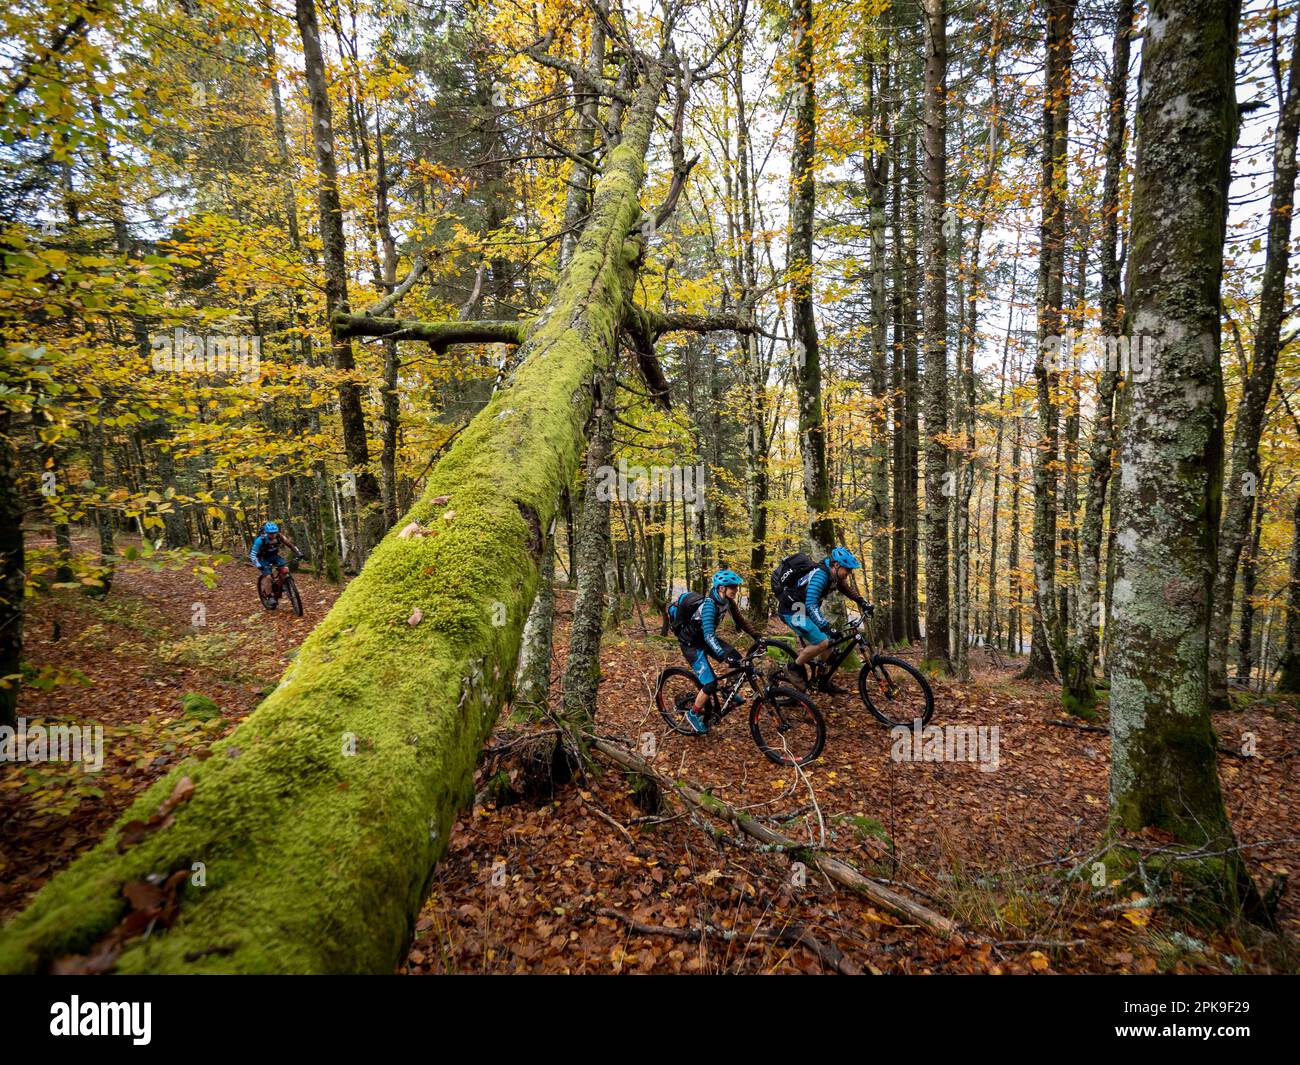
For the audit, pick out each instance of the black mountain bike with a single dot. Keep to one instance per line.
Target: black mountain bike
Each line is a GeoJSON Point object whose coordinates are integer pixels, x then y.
{"type": "Point", "coordinates": [895, 691]}
{"type": "Point", "coordinates": [784, 723]}
{"type": "Point", "coordinates": [271, 588]}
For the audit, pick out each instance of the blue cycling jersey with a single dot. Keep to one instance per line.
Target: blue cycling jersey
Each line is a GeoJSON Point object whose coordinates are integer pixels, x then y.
{"type": "Point", "coordinates": [264, 553]}
{"type": "Point", "coordinates": [812, 600]}
{"type": "Point", "coordinates": [709, 624]}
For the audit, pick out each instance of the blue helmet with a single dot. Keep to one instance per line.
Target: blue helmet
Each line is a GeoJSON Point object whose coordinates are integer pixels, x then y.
{"type": "Point", "coordinates": [844, 557]}
{"type": "Point", "coordinates": [726, 578]}
{"type": "Point", "coordinates": [270, 527]}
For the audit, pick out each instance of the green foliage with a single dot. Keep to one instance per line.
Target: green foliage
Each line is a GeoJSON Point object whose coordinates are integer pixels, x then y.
{"type": "Point", "coordinates": [48, 677]}
{"type": "Point", "coordinates": [199, 707]}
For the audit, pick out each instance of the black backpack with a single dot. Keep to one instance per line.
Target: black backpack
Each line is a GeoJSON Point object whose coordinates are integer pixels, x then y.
{"type": "Point", "coordinates": [682, 615]}
{"type": "Point", "coordinates": [789, 574]}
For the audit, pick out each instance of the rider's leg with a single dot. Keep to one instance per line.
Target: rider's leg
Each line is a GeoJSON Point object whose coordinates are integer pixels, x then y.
{"type": "Point", "coordinates": [699, 661]}
{"type": "Point", "coordinates": [704, 673]}
{"type": "Point", "coordinates": [816, 642]}
{"type": "Point", "coordinates": [812, 651]}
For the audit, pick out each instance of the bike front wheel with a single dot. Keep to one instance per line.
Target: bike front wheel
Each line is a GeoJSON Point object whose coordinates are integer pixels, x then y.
{"type": "Point", "coordinates": [266, 592]}
{"type": "Point", "coordinates": [295, 600]}
{"type": "Point", "coordinates": [675, 695]}
{"type": "Point", "coordinates": [896, 692]}
{"type": "Point", "coordinates": [787, 727]}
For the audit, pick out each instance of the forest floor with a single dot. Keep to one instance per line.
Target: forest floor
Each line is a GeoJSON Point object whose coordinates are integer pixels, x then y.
{"type": "Point", "coordinates": [597, 878]}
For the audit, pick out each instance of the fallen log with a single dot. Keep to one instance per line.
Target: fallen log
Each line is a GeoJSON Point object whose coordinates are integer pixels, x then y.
{"type": "Point", "coordinates": [311, 836]}
{"type": "Point", "coordinates": [841, 872]}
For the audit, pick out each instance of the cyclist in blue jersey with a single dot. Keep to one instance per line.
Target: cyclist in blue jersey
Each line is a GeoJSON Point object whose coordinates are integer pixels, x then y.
{"type": "Point", "coordinates": [695, 621]}
{"type": "Point", "coordinates": [800, 607]}
{"type": "Point", "coordinates": [266, 549]}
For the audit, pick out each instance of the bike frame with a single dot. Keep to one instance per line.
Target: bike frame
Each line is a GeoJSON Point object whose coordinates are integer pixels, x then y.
{"type": "Point", "coordinates": [744, 672]}
{"type": "Point", "coordinates": [858, 637]}
{"type": "Point", "coordinates": [278, 574]}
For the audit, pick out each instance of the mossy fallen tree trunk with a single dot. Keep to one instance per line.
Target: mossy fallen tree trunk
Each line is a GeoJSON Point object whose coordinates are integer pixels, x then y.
{"type": "Point", "coordinates": [318, 822]}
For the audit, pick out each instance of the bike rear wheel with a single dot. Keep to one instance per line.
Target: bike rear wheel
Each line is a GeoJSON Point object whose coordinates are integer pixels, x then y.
{"type": "Point", "coordinates": [291, 590]}
{"type": "Point", "coordinates": [896, 692]}
{"type": "Point", "coordinates": [675, 695]}
{"type": "Point", "coordinates": [787, 727]}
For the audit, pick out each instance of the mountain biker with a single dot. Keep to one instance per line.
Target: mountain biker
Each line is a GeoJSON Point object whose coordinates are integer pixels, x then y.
{"type": "Point", "coordinates": [696, 619]}
{"type": "Point", "coordinates": [266, 549]}
{"type": "Point", "coordinates": [799, 605]}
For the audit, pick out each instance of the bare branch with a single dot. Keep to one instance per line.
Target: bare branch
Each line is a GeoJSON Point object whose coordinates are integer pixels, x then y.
{"type": "Point", "coordinates": [579, 74]}
{"type": "Point", "coordinates": [418, 266]}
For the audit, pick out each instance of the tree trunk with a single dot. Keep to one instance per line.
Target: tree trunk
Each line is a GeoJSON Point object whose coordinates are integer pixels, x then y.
{"type": "Point", "coordinates": [1015, 638]}
{"type": "Point", "coordinates": [1289, 681]}
{"type": "Point", "coordinates": [1078, 692]}
{"type": "Point", "coordinates": [939, 486]}
{"type": "Point", "coordinates": [1241, 485]}
{"type": "Point", "coordinates": [391, 422]}
{"type": "Point", "coordinates": [368, 495]}
{"type": "Point", "coordinates": [318, 858]}
{"type": "Point", "coordinates": [582, 668]}
{"type": "Point", "coordinates": [993, 626]}
{"type": "Point", "coordinates": [812, 425]}
{"type": "Point", "coordinates": [897, 626]}
{"type": "Point", "coordinates": [911, 333]}
{"type": "Point", "coordinates": [1249, 569]}
{"type": "Point", "coordinates": [875, 169]}
{"type": "Point", "coordinates": [533, 679]}
{"type": "Point", "coordinates": [103, 516]}
{"type": "Point", "coordinates": [1163, 767]}
{"type": "Point", "coordinates": [1047, 650]}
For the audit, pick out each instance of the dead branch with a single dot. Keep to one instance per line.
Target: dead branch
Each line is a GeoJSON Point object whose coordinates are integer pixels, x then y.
{"type": "Point", "coordinates": [840, 872]}
{"type": "Point", "coordinates": [418, 266]}
{"type": "Point", "coordinates": [795, 935]}
{"type": "Point", "coordinates": [578, 73]}
{"type": "Point", "coordinates": [439, 334]}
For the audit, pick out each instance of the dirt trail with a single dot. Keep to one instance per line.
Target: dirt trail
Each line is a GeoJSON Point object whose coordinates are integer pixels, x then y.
{"type": "Point", "coordinates": [138, 653]}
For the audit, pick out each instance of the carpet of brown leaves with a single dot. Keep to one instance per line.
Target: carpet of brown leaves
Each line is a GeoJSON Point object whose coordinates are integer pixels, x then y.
{"type": "Point", "coordinates": [534, 888]}
{"type": "Point", "coordinates": [597, 879]}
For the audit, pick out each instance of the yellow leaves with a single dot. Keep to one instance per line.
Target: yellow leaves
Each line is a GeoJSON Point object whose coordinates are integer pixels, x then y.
{"type": "Point", "coordinates": [439, 174]}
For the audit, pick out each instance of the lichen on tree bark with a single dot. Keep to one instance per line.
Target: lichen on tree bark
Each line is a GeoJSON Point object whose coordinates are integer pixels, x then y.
{"type": "Point", "coordinates": [1163, 765]}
